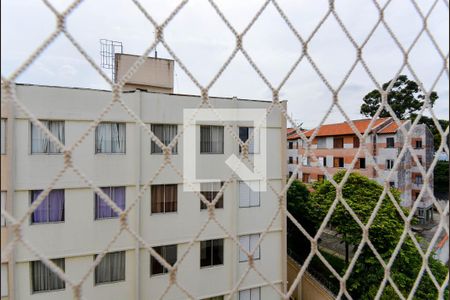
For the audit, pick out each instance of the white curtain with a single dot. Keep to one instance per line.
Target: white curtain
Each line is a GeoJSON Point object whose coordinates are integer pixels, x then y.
{"type": "Point", "coordinates": [216, 139]}
{"type": "Point", "coordinates": [166, 133]}
{"type": "Point", "coordinates": [111, 268]}
{"type": "Point", "coordinates": [244, 295]}
{"type": "Point", "coordinates": [244, 241]}
{"type": "Point", "coordinates": [244, 199]}
{"type": "Point", "coordinates": [117, 137]}
{"type": "Point", "coordinates": [57, 129]}
{"type": "Point", "coordinates": [39, 141]}
{"type": "Point", "coordinates": [254, 238]}
{"type": "Point", "coordinates": [103, 138]}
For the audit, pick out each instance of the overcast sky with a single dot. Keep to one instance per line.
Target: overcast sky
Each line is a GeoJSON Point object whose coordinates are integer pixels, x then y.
{"type": "Point", "coordinates": [200, 38]}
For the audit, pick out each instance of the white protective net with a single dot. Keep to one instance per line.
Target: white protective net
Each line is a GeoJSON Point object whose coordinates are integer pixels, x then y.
{"type": "Point", "coordinates": [16, 223]}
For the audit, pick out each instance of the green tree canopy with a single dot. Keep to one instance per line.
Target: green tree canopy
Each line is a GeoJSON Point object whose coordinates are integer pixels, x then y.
{"type": "Point", "coordinates": [405, 98]}
{"type": "Point", "coordinates": [362, 195]}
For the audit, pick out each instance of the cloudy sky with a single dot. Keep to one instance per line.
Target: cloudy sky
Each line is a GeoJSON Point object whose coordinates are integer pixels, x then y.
{"type": "Point", "coordinates": [203, 42]}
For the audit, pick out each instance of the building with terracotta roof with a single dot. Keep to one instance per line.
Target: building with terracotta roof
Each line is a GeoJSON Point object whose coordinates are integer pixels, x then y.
{"type": "Point", "coordinates": [336, 147]}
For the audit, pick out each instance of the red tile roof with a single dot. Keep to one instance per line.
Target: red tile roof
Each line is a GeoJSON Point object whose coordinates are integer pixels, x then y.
{"type": "Point", "coordinates": [391, 128]}
{"type": "Point", "coordinates": [344, 128]}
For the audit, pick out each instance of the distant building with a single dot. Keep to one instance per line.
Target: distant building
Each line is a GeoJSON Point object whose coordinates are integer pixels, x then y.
{"type": "Point", "coordinates": [73, 224]}
{"type": "Point", "coordinates": [336, 145]}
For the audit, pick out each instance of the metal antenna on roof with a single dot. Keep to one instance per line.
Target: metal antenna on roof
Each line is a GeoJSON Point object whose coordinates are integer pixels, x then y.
{"type": "Point", "coordinates": [108, 50]}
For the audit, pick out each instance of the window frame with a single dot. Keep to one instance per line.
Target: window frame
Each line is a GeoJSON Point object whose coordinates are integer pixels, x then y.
{"type": "Point", "coordinates": [100, 199]}
{"type": "Point", "coordinates": [389, 164]}
{"type": "Point", "coordinates": [339, 162]}
{"type": "Point", "coordinates": [125, 139]}
{"type": "Point", "coordinates": [56, 261]}
{"type": "Point", "coordinates": [250, 149]}
{"type": "Point", "coordinates": [249, 195]}
{"type": "Point", "coordinates": [249, 236]}
{"type": "Point", "coordinates": [154, 146]}
{"type": "Point", "coordinates": [390, 144]}
{"type": "Point", "coordinates": [111, 281]}
{"type": "Point", "coordinates": [356, 142]}
{"type": "Point", "coordinates": [164, 201]}
{"type": "Point", "coordinates": [251, 289]}
{"type": "Point", "coordinates": [220, 201]}
{"type": "Point", "coordinates": [47, 222]}
{"type": "Point", "coordinates": [362, 159]}
{"type": "Point", "coordinates": [307, 176]}
{"type": "Point", "coordinates": [210, 140]}
{"type": "Point", "coordinates": [418, 144]}
{"type": "Point", "coordinates": [335, 142]}
{"type": "Point", "coordinates": [211, 260]}
{"type": "Point", "coordinates": [59, 152]}
{"type": "Point", "coordinates": [163, 254]}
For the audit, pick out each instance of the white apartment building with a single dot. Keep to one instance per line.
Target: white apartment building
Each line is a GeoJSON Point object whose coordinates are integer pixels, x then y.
{"type": "Point", "coordinates": [73, 224]}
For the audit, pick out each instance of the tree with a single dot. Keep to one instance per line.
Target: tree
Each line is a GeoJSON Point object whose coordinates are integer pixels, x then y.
{"type": "Point", "coordinates": [405, 98]}
{"type": "Point", "coordinates": [362, 195]}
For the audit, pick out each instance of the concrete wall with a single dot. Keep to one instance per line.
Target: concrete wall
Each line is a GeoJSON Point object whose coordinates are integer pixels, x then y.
{"type": "Point", "coordinates": [80, 236]}
{"type": "Point", "coordinates": [308, 287]}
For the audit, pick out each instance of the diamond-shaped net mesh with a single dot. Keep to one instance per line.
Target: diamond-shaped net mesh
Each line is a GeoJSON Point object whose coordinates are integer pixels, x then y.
{"type": "Point", "coordinates": [16, 224]}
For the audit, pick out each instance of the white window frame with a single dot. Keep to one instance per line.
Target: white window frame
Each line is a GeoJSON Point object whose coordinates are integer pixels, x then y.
{"type": "Point", "coordinates": [389, 164]}
{"type": "Point", "coordinates": [47, 124]}
{"type": "Point", "coordinates": [98, 150]}
{"type": "Point", "coordinates": [213, 140]}
{"type": "Point", "coordinates": [248, 242]}
{"type": "Point", "coordinates": [154, 148]}
{"type": "Point", "coordinates": [253, 198]}
{"type": "Point", "coordinates": [250, 294]}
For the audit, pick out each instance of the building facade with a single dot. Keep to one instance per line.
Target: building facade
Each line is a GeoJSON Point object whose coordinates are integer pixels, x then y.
{"type": "Point", "coordinates": [73, 224]}
{"type": "Point", "coordinates": [336, 146]}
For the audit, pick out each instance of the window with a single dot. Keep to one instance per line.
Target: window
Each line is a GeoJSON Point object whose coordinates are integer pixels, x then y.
{"type": "Point", "coordinates": [305, 177]}
{"type": "Point", "coordinates": [338, 162]}
{"type": "Point", "coordinates": [111, 268]}
{"type": "Point", "coordinates": [211, 253]}
{"type": "Point", "coordinates": [418, 144]}
{"type": "Point", "coordinates": [43, 279]}
{"type": "Point", "coordinates": [210, 190]}
{"type": "Point", "coordinates": [164, 198]}
{"type": "Point", "coordinates": [215, 298]}
{"type": "Point", "coordinates": [362, 163]}
{"type": "Point", "coordinates": [51, 208]}
{"type": "Point", "coordinates": [321, 142]}
{"type": "Point", "coordinates": [4, 281]}
{"type": "Point", "coordinates": [169, 253]}
{"type": "Point", "coordinates": [3, 137]}
{"type": "Point", "coordinates": [323, 161]}
{"type": "Point", "coordinates": [245, 133]}
{"type": "Point", "coordinates": [419, 179]}
{"type": "Point", "coordinates": [338, 142]}
{"type": "Point", "coordinates": [40, 142]}
{"type": "Point", "coordinates": [389, 164]}
{"type": "Point", "coordinates": [415, 195]}
{"type": "Point", "coordinates": [291, 144]}
{"type": "Point", "coordinates": [355, 142]}
{"type": "Point", "coordinates": [250, 294]}
{"type": "Point", "coordinates": [248, 242]}
{"type": "Point", "coordinates": [291, 160]}
{"type": "Point", "coordinates": [110, 138]}
{"type": "Point", "coordinates": [390, 142]}
{"type": "Point", "coordinates": [320, 177]}
{"type": "Point", "coordinates": [419, 158]}
{"type": "Point", "coordinates": [305, 161]}
{"type": "Point", "coordinates": [392, 184]}
{"type": "Point", "coordinates": [3, 204]}
{"type": "Point", "coordinates": [290, 174]}
{"type": "Point", "coordinates": [165, 133]}
{"type": "Point", "coordinates": [102, 209]}
{"type": "Point", "coordinates": [211, 139]}
{"type": "Point", "coordinates": [250, 197]}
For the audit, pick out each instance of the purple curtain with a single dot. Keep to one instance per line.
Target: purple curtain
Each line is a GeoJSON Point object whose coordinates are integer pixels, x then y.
{"type": "Point", "coordinates": [51, 208]}
{"type": "Point", "coordinates": [56, 203]}
{"type": "Point", "coordinates": [103, 210]}
{"type": "Point", "coordinates": [40, 214]}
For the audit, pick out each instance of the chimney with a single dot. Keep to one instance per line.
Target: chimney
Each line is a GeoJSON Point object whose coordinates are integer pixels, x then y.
{"type": "Point", "coordinates": [154, 75]}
